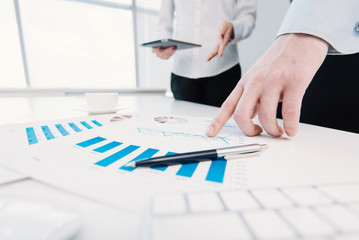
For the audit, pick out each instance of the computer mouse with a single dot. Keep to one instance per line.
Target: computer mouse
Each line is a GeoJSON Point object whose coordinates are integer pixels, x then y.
{"type": "Point", "coordinates": [22, 219]}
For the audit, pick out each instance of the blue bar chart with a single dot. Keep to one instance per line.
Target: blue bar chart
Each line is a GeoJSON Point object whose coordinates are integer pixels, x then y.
{"type": "Point", "coordinates": [35, 134]}
{"type": "Point", "coordinates": [187, 170]}
{"type": "Point", "coordinates": [216, 171]}
{"type": "Point", "coordinates": [97, 123]}
{"type": "Point", "coordinates": [85, 124]}
{"type": "Point", "coordinates": [117, 156]}
{"type": "Point", "coordinates": [91, 141]}
{"type": "Point", "coordinates": [62, 130]}
{"type": "Point", "coordinates": [107, 147]}
{"type": "Point", "coordinates": [47, 132]}
{"type": "Point", "coordinates": [31, 136]}
{"type": "Point", "coordinates": [75, 127]}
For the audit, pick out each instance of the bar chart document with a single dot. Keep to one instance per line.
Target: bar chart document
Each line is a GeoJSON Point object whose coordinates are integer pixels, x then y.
{"type": "Point", "coordinates": [93, 163]}
{"type": "Point", "coordinates": [18, 136]}
{"type": "Point", "coordinates": [23, 134]}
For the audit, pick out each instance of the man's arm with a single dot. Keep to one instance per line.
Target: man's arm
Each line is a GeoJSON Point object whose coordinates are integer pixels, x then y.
{"type": "Point", "coordinates": [284, 72]}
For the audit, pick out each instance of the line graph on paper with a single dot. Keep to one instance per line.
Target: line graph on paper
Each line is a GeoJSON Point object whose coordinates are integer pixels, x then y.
{"type": "Point", "coordinates": [169, 134]}
{"type": "Point", "coordinates": [110, 148]}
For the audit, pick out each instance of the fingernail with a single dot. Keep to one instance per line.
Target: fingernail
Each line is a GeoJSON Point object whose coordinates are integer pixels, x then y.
{"type": "Point", "coordinates": [210, 130]}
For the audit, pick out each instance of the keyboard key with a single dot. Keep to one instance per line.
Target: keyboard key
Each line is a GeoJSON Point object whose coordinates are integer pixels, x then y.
{"type": "Point", "coordinates": [200, 227]}
{"type": "Point", "coordinates": [341, 216]}
{"type": "Point", "coordinates": [306, 196]}
{"type": "Point", "coordinates": [267, 224]}
{"type": "Point", "coordinates": [204, 202]}
{"type": "Point", "coordinates": [169, 204]}
{"type": "Point", "coordinates": [272, 198]}
{"type": "Point", "coordinates": [239, 200]}
{"type": "Point", "coordinates": [343, 192]}
{"type": "Point", "coordinates": [306, 222]}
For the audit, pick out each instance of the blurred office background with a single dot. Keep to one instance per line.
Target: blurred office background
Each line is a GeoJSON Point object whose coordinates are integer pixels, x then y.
{"type": "Point", "coordinates": [94, 44]}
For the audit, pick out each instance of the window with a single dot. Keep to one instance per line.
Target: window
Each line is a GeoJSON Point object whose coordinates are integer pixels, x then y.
{"type": "Point", "coordinates": [11, 65]}
{"type": "Point", "coordinates": [80, 44]}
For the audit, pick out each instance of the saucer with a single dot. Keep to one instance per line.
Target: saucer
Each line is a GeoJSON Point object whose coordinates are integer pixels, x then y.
{"type": "Point", "coordinates": [100, 111]}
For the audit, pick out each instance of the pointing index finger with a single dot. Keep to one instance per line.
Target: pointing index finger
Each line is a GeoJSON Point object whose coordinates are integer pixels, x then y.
{"type": "Point", "coordinates": [225, 112]}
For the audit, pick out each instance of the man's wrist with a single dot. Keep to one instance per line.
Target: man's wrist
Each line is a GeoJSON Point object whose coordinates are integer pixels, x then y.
{"type": "Point", "coordinates": [305, 40]}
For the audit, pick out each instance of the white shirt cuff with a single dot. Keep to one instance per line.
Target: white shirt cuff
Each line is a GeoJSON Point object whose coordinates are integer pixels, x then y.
{"type": "Point", "coordinates": [331, 20]}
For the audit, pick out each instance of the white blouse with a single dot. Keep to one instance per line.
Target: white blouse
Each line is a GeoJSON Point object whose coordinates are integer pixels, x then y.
{"type": "Point", "coordinates": [198, 21]}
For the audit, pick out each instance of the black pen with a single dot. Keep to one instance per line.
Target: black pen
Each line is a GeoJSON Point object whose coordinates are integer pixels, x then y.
{"type": "Point", "coordinates": [199, 156]}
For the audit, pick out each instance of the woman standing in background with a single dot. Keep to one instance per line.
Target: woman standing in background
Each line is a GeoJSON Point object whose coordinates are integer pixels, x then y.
{"type": "Point", "coordinates": [207, 74]}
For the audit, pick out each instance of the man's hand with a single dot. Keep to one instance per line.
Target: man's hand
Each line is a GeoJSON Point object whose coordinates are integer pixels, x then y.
{"type": "Point", "coordinates": [283, 73]}
{"type": "Point", "coordinates": [164, 53]}
{"type": "Point", "coordinates": [226, 33]}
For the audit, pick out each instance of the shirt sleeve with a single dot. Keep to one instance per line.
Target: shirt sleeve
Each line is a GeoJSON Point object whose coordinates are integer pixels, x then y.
{"type": "Point", "coordinates": [244, 19]}
{"type": "Point", "coordinates": [334, 21]}
{"type": "Point", "coordinates": [165, 20]}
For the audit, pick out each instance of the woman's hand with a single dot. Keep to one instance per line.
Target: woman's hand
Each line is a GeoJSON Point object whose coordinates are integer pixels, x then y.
{"type": "Point", "coordinates": [226, 33]}
{"type": "Point", "coordinates": [164, 53]}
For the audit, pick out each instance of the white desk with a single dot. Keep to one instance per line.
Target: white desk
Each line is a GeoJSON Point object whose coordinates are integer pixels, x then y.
{"type": "Point", "coordinates": [105, 222]}
{"type": "Point", "coordinates": [100, 221]}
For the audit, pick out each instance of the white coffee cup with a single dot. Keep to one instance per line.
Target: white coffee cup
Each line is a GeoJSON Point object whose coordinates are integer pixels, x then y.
{"type": "Point", "coordinates": [102, 102]}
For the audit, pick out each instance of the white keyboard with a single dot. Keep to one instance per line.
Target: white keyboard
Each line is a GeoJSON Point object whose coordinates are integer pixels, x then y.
{"type": "Point", "coordinates": [307, 212]}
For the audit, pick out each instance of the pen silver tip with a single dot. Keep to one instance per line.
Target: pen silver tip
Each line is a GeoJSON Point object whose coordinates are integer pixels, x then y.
{"type": "Point", "coordinates": [264, 147]}
{"type": "Point", "coordinates": [131, 164]}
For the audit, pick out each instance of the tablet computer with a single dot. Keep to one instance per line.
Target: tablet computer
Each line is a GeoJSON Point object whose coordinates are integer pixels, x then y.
{"type": "Point", "coordinates": [167, 42]}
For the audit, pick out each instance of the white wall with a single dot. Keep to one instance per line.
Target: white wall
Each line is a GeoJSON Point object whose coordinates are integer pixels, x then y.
{"type": "Point", "coordinates": [269, 17]}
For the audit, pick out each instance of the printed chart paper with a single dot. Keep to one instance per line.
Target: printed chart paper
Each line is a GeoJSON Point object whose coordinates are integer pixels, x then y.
{"type": "Point", "coordinates": [18, 136]}
{"type": "Point", "coordinates": [93, 163]}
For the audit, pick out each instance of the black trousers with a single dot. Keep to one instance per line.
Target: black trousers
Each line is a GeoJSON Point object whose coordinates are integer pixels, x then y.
{"type": "Point", "coordinates": [332, 98]}
{"type": "Point", "coordinates": [209, 90]}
